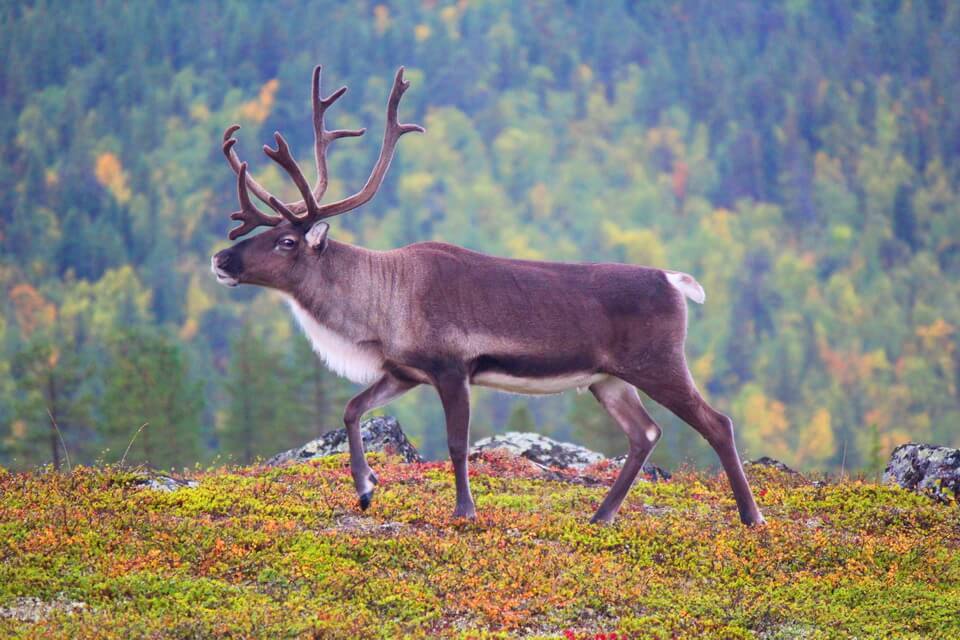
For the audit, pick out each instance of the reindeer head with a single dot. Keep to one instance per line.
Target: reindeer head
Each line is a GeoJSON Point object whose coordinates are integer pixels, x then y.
{"type": "Point", "coordinates": [297, 237]}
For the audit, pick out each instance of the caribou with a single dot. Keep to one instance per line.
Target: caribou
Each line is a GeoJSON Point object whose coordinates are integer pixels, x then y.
{"type": "Point", "coordinates": [441, 315]}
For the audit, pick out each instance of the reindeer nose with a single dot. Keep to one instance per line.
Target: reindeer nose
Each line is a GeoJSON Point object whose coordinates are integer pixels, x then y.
{"type": "Point", "coordinates": [227, 261]}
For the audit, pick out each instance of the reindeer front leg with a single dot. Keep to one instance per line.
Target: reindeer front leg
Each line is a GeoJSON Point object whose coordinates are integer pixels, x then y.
{"type": "Point", "coordinates": [380, 393]}
{"type": "Point", "coordinates": [455, 396]}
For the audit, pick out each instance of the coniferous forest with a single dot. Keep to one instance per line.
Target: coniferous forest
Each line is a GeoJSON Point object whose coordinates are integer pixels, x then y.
{"type": "Point", "coordinates": [800, 158]}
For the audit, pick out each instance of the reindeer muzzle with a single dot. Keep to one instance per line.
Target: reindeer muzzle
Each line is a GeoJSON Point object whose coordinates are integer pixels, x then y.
{"type": "Point", "coordinates": [227, 266]}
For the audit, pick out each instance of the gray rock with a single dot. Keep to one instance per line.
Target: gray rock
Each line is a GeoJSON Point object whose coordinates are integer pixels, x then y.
{"type": "Point", "coordinates": [926, 469]}
{"type": "Point", "coordinates": [766, 461]}
{"type": "Point", "coordinates": [28, 609]}
{"type": "Point", "coordinates": [548, 452]}
{"type": "Point", "coordinates": [165, 483]}
{"type": "Point", "coordinates": [652, 471]}
{"type": "Point", "coordinates": [381, 433]}
{"type": "Point", "coordinates": [544, 451]}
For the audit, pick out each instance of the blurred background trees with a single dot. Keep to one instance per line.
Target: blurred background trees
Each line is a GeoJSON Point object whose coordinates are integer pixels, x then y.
{"type": "Point", "coordinates": [800, 158]}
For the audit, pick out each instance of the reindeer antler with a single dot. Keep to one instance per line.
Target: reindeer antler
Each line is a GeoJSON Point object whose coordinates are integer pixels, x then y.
{"type": "Point", "coordinates": [249, 215]}
{"type": "Point", "coordinates": [391, 135]}
{"type": "Point", "coordinates": [309, 205]}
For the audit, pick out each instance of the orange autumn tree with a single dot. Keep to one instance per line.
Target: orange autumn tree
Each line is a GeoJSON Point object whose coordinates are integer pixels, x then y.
{"type": "Point", "coordinates": [51, 413]}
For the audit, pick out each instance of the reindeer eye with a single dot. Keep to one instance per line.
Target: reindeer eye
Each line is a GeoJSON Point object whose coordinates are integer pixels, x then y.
{"type": "Point", "coordinates": [287, 243]}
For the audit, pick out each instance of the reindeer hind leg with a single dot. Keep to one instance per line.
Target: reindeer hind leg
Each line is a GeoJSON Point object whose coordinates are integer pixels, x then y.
{"type": "Point", "coordinates": [623, 404]}
{"type": "Point", "coordinates": [674, 389]}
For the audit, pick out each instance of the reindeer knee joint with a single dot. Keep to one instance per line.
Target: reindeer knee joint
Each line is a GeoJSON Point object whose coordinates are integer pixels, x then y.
{"type": "Point", "coordinates": [645, 438]}
{"type": "Point", "coordinates": [652, 433]}
{"type": "Point", "coordinates": [351, 415]}
{"type": "Point", "coordinates": [721, 431]}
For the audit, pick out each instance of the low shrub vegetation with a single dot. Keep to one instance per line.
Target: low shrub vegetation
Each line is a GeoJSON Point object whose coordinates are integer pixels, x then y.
{"type": "Point", "coordinates": [285, 552]}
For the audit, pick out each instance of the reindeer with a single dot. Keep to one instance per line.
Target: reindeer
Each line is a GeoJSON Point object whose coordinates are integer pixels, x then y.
{"type": "Point", "coordinates": [436, 314]}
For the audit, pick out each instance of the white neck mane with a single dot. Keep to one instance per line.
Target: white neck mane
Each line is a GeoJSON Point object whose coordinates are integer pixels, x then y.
{"type": "Point", "coordinates": [342, 356]}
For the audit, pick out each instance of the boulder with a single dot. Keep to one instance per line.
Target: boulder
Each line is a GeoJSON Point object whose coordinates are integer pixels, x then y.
{"type": "Point", "coordinates": [30, 609]}
{"type": "Point", "coordinates": [548, 452]}
{"type": "Point", "coordinates": [380, 433]}
{"type": "Point", "coordinates": [766, 461]}
{"type": "Point", "coordinates": [652, 471]}
{"type": "Point", "coordinates": [927, 469]}
{"type": "Point", "coordinates": [540, 449]}
{"type": "Point", "coordinates": [159, 482]}
{"type": "Point", "coordinates": [384, 433]}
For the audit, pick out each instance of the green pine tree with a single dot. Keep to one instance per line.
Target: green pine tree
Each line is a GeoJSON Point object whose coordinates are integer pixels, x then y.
{"type": "Point", "coordinates": [521, 418]}
{"type": "Point", "coordinates": [48, 377]}
{"type": "Point", "coordinates": [147, 381]}
{"type": "Point", "coordinates": [277, 400]}
{"type": "Point", "coordinates": [594, 428]}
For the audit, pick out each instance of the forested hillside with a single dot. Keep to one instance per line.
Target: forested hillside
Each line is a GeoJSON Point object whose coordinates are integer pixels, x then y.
{"type": "Point", "coordinates": [800, 158]}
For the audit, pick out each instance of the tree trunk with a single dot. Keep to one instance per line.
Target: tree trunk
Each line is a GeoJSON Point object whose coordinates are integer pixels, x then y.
{"type": "Point", "coordinates": [52, 407]}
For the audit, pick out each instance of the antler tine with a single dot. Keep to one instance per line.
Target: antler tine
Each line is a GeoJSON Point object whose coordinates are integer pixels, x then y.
{"type": "Point", "coordinates": [252, 217]}
{"type": "Point", "coordinates": [258, 190]}
{"type": "Point", "coordinates": [323, 137]}
{"type": "Point", "coordinates": [249, 214]}
{"type": "Point", "coordinates": [391, 135]}
{"type": "Point", "coordinates": [282, 156]}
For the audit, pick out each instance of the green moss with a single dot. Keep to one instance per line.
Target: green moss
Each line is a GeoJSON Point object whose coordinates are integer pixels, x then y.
{"type": "Point", "coordinates": [264, 552]}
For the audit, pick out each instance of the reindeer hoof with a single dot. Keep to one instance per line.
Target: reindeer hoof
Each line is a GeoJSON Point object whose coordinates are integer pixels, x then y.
{"type": "Point", "coordinates": [366, 499]}
{"type": "Point", "coordinates": [470, 513]}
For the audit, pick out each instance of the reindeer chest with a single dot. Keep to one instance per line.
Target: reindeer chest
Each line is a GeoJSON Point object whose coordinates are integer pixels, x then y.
{"type": "Point", "coordinates": [341, 355]}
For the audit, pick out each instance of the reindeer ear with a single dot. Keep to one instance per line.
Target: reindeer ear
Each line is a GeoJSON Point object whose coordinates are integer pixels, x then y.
{"type": "Point", "coordinates": [317, 236]}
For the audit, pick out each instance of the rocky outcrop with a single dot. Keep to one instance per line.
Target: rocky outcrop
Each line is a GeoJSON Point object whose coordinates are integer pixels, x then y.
{"type": "Point", "coordinates": [30, 609]}
{"type": "Point", "coordinates": [766, 461]}
{"type": "Point", "coordinates": [381, 433]}
{"type": "Point", "coordinates": [927, 469]}
{"type": "Point", "coordinates": [385, 434]}
{"type": "Point", "coordinates": [544, 451]}
{"type": "Point", "coordinates": [551, 453]}
{"type": "Point", "coordinates": [652, 471]}
{"type": "Point", "coordinates": [159, 482]}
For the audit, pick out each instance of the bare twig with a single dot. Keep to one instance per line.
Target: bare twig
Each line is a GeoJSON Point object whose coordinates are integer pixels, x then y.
{"type": "Point", "coordinates": [66, 454]}
{"type": "Point", "coordinates": [124, 458]}
{"type": "Point", "coordinates": [843, 459]}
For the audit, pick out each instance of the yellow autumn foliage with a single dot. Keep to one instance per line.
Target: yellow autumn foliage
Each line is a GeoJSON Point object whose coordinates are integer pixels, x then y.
{"type": "Point", "coordinates": [421, 32]}
{"type": "Point", "coordinates": [815, 441]}
{"type": "Point", "coordinates": [764, 424]}
{"type": "Point", "coordinates": [584, 74]}
{"type": "Point", "coordinates": [519, 246]}
{"type": "Point", "coordinates": [18, 429]}
{"type": "Point", "coordinates": [198, 302]}
{"type": "Point", "coordinates": [110, 174]}
{"type": "Point", "coordinates": [934, 331]}
{"type": "Point", "coordinates": [640, 246]}
{"type": "Point", "coordinates": [541, 200]}
{"type": "Point", "coordinates": [260, 107]}
{"type": "Point", "coordinates": [702, 370]}
{"type": "Point", "coordinates": [31, 310]}
{"type": "Point", "coordinates": [381, 18]}
{"type": "Point", "coordinates": [718, 224]}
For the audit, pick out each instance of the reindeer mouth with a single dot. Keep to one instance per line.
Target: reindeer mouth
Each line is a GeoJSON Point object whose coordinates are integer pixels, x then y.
{"type": "Point", "coordinates": [223, 277]}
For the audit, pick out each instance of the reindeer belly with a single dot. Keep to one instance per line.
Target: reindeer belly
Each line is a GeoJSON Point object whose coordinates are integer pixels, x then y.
{"type": "Point", "coordinates": [342, 356]}
{"type": "Point", "coordinates": [536, 385]}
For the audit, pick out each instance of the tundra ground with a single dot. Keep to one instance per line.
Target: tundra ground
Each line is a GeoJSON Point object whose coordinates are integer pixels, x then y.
{"type": "Point", "coordinates": [284, 552]}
